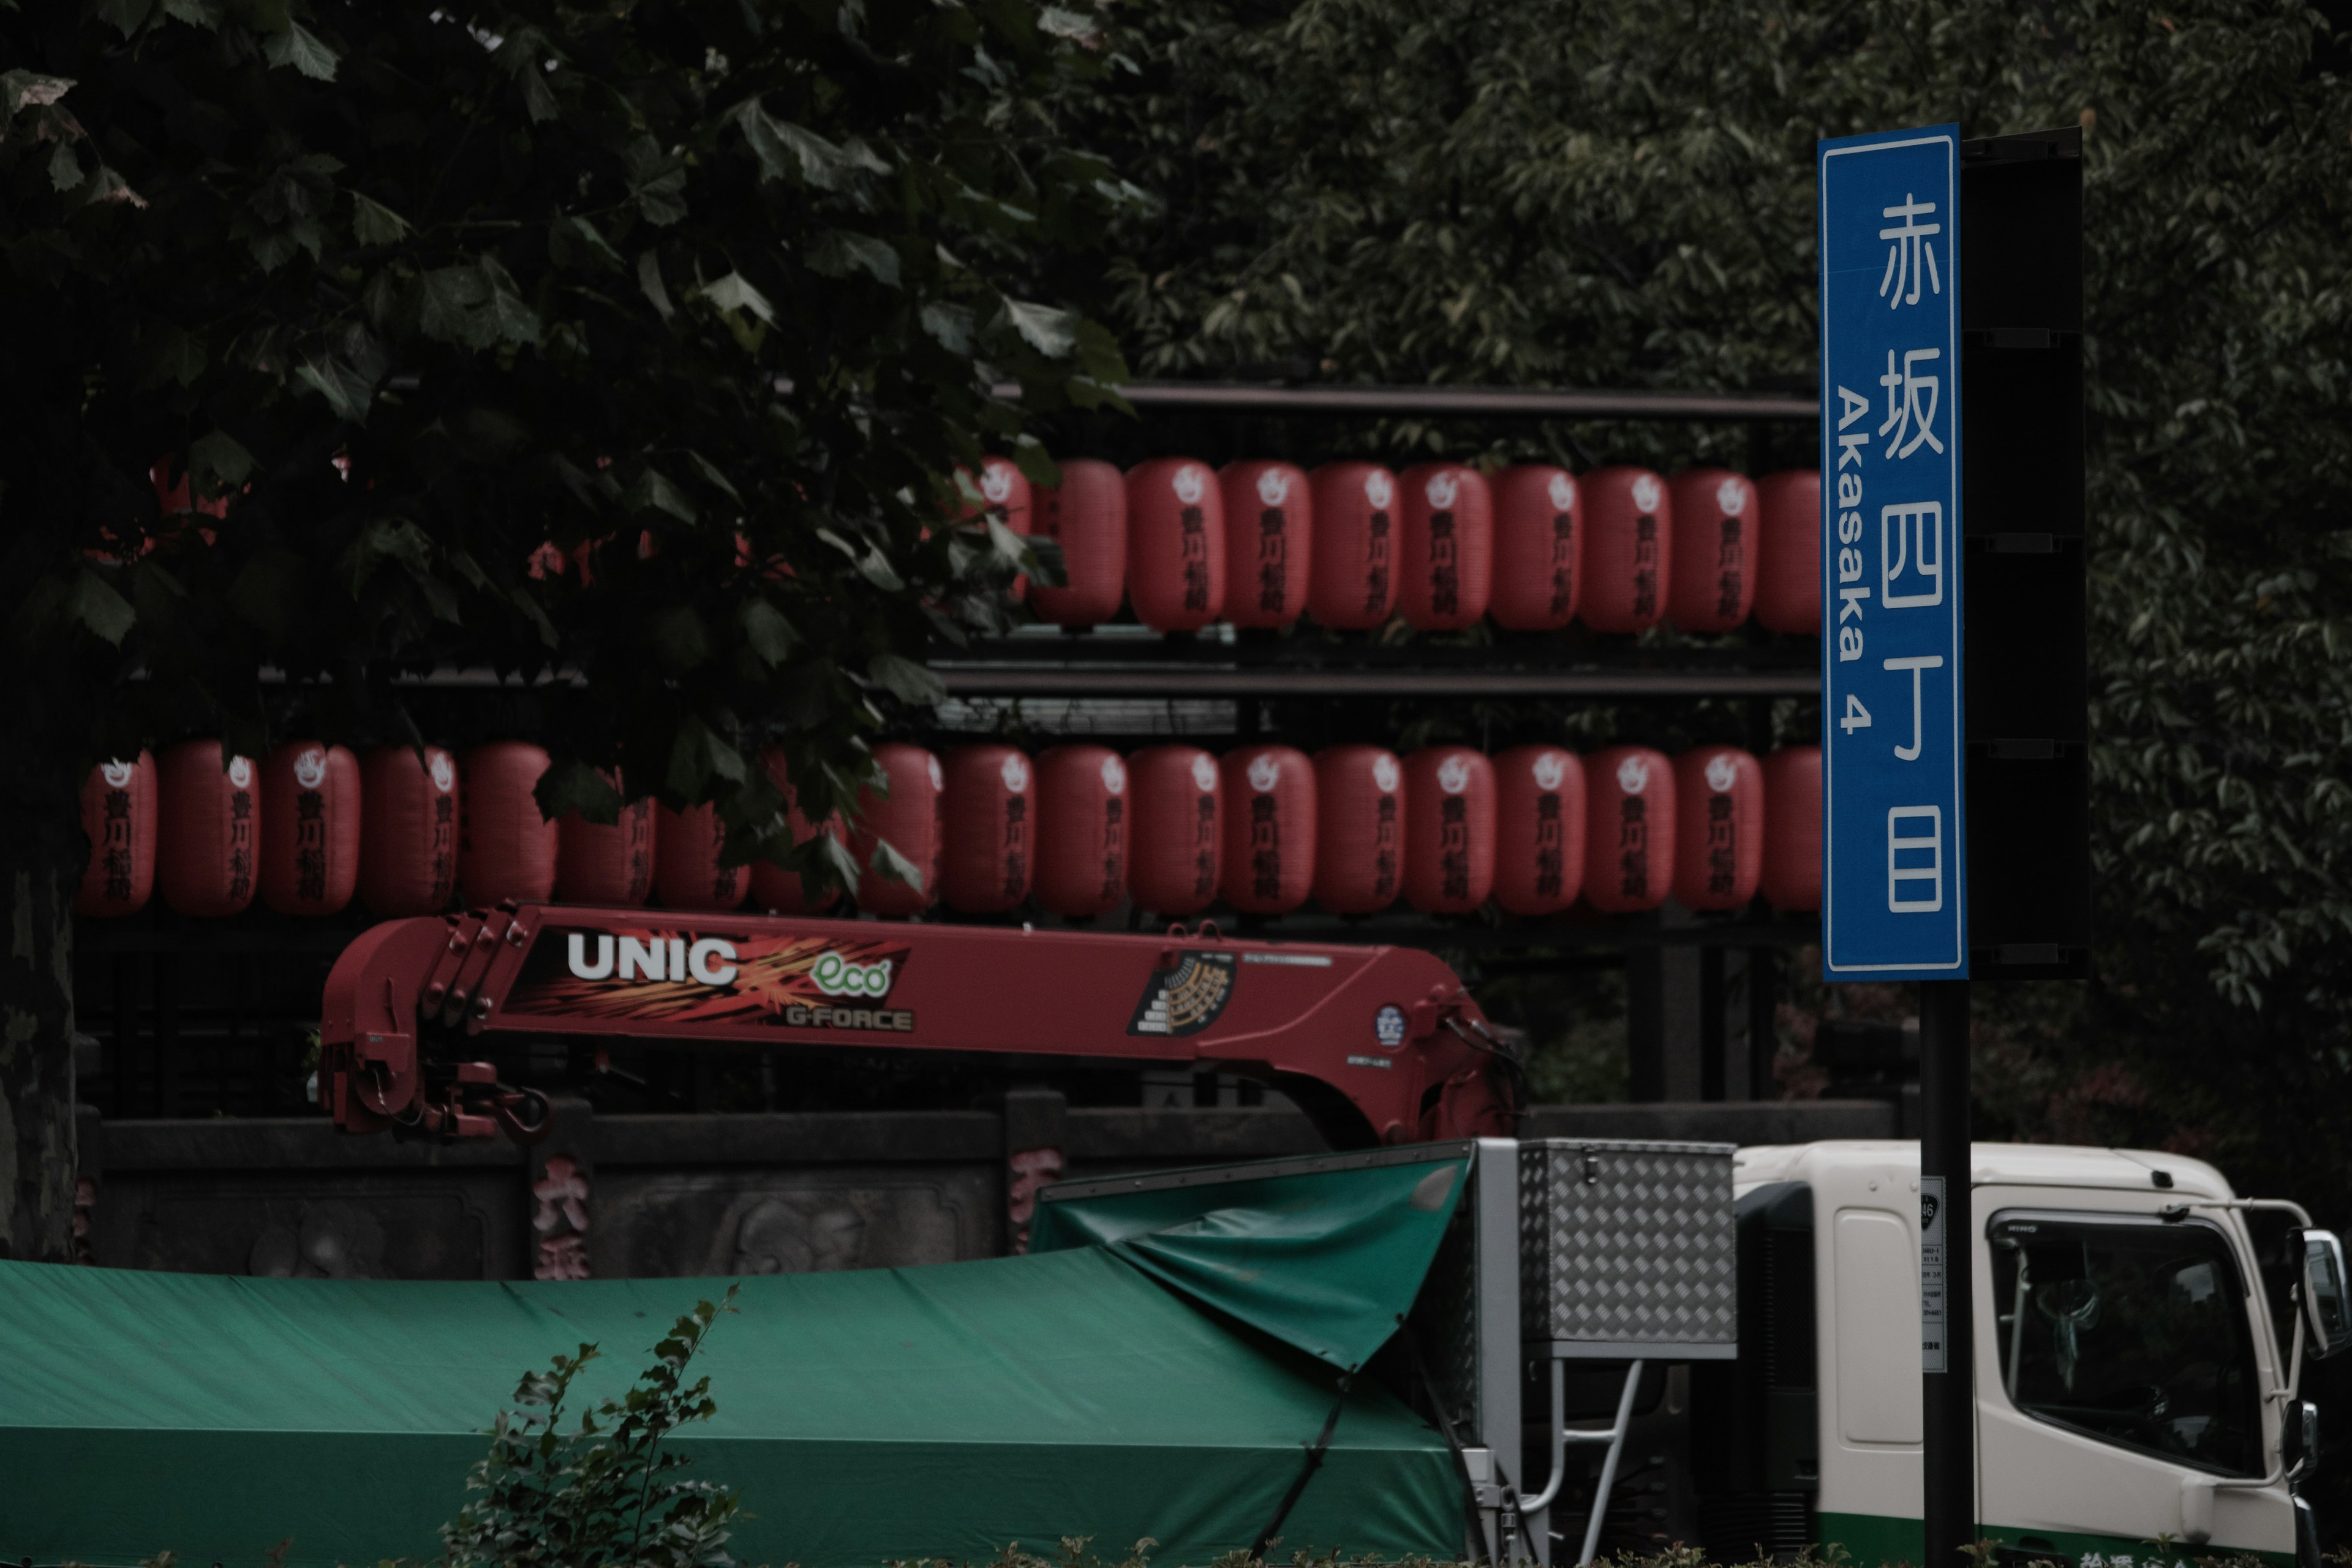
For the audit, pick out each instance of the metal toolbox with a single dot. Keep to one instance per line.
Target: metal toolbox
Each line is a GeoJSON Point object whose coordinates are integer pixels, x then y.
{"type": "Point", "coordinates": [1626, 1250]}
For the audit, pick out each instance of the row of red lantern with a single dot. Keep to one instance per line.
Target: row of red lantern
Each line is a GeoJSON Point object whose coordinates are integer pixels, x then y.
{"type": "Point", "coordinates": [313, 826]}
{"type": "Point", "coordinates": [1258, 545]}
{"type": "Point", "coordinates": [1080, 828]}
{"type": "Point", "coordinates": [1354, 828]}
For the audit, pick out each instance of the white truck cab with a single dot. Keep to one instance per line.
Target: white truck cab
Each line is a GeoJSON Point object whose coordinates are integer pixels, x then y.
{"type": "Point", "coordinates": [2135, 1373]}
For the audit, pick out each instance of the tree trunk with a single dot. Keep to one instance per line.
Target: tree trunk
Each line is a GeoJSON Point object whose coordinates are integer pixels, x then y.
{"type": "Point", "coordinates": [36, 1030]}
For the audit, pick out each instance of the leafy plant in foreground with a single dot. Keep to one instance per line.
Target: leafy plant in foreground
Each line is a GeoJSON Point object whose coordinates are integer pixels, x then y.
{"type": "Point", "coordinates": [607, 1491]}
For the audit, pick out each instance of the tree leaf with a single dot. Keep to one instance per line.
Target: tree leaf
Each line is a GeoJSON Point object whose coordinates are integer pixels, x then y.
{"type": "Point", "coordinates": [302, 48]}
{"type": "Point", "coordinates": [218, 456]}
{"type": "Point", "coordinates": [654, 492]}
{"type": "Point", "coordinates": [93, 602]}
{"type": "Point", "coordinates": [383, 539]}
{"type": "Point", "coordinates": [373, 223]}
{"type": "Point", "coordinates": [31, 89]}
{"type": "Point", "coordinates": [907, 681]}
{"type": "Point", "coordinates": [838, 252]}
{"type": "Point", "coordinates": [172, 355]}
{"type": "Point", "coordinates": [572, 785]}
{"type": "Point", "coordinates": [347, 392]}
{"type": "Point", "coordinates": [766, 628]}
{"type": "Point", "coordinates": [950, 325]}
{"type": "Point", "coordinates": [1053, 333]}
{"type": "Point", "coordinates": [735, 292]}
{"type": "Point", "coordinates": [65, 168]}
{"type": "Point", "coordinates": [650, 279]}
{"type": "Point", "coordinates": [893, 867]}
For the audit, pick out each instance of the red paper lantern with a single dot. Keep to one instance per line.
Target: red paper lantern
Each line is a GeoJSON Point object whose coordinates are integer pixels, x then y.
{"type": "Point", "coordinates": [1082, 830]}
{"type": "Point", "coordinates": [310, 822]}
{"type": "Point", "coordinates": [688, 870]}
{"type": "Point", "coordinates": [1716, 533]}
{"type": "Point", "coordinates": [1789, 569]}
{"type": "Point", "coordinates": [1538, 829]}
{"type": "Point", "coordinates": [1269, 543]}
{"type": "Point", "coordinates": [1629, 532]}
{"type": "Point", "coordinates": [772, 887]}
{"type": "Point", "coordinates": [907, 819]}
{"type": "Point", "coordinates": [991, 820]}
{"type": "Point", "coordinates": [1719, 827]}
{"type": "Point", "coordinates": [1353, 585]}
{"type": "Point", "coordinates": [408, 856]}
{"type": "Point", "coordinates": [506, 849]}
{"type": "Point", "coordinates": [609, 864]}
{"type": "Point", "coordinates": [208, 833]}
{"type": "Point", "coordinates": [1172, 864]}
{"type": "Point", "coordinates": [1793, 829]}
{"type": "Point", "coordinates": [1175, 544]}
{"type": "Point", "coordinates": [1445, 573]}
{"type": "Point", "coordinates": [1629, 829]}
{"type": "Point", "coordinates": [1268, 867]}
{"type": "Point", "coordinates": [119, 810]}
{"type": "Point", "coordinates": [1359, 829]}
{"type": "Point", "coordinates": [1449, 837]}
{"type": "Point", "coordinates": [1086, 514]}
{"type": "Point", "coordinates": [1538, 549]}
{"type": "Point", "coordinates": [1004, 498]}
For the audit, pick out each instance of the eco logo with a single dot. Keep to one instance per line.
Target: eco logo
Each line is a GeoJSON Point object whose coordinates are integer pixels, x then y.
{"type": "Point", "coordinates": [1190, 485]}
{"type": "Point", "coordinates": [836, 976]}
{"type": "Point", "coordinates": [1632, 775]}
{"type": "Point", "coordinates": [1563, 493]}
{"type": "Point", "coordinates": [1442, 489]}
{"type": "Point", "coordinates": [996, 483]}
{"type": "Point", "coordinates": [1721, 774]}
{"type": "Point", "coordinates": [1388, 1027]}
{"type": "Point", "coordinates": [1273, 486]}
{"type": "Point", "coordinates": [1265, 773]}
{"type": "Point", "coordinates": [118, 774]}
{"type": "Point", "coordinates": [1377, 487]}
{"type": "Point", "coordinates": [1386, 774]}
{"type": "Point", "coordinates": [1647, 493]}
{"type": "Point", "coordinates": [1204, 773]}
{"type": "Point", "coordinates": [240, 773]}
{"type": "Point", "coordinates": [310, 768]}
{"type": "Point", "coordinates": [1453, 775]}
{"type": "Point", "coordinates": [1732, 497]}
{"type": "Point", "coordinates": [1551, 768]}
{"type": "Point", "coordinates": [1016, 772]}
{"type": "Point", "coordinates": [444, 774]}
{"type": "Point", "coordinates": [1114, 775]}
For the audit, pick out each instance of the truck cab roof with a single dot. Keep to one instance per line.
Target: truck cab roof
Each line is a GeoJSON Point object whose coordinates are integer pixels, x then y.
{"type": "Point", "coordinates": [2002, 1165]}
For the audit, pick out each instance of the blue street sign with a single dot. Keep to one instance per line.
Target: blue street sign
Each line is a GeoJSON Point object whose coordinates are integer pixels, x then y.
{"type": "Point", "coordinates": [1894, 861]}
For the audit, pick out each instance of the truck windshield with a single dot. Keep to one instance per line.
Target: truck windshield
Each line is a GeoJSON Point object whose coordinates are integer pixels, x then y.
{"type": "Point", "coordinates": [2131, 1332]}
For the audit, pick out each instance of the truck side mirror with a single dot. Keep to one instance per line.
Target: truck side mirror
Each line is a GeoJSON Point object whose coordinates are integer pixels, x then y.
{"type": "Point", "coordinates": [2327, 1302]}
{"type": "Point", "coordinates": [2300, 1449]}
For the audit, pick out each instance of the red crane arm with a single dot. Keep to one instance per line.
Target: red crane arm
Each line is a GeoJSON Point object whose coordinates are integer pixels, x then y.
{"type": "Point", "coordinates": [1381, 1044]}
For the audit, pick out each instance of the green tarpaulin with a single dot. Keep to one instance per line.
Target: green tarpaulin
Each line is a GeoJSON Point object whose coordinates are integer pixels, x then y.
{"type": "Point", "coordinates": [1329, 1261]}
{"type": "Point", "coordinates": [866, 1416]}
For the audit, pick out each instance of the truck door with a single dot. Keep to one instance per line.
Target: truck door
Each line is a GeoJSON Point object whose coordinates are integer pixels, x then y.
{"type": "Point", "coordinates": [2117, 1371]}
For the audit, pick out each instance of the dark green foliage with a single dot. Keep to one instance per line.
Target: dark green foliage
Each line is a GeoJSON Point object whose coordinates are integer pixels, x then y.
{"type": "Point", "coordinates": [638, 342]}
{"type": "Point", "coordinates": [1602, 194]}
{"type": "Point", "coordinates": [605, 1492]}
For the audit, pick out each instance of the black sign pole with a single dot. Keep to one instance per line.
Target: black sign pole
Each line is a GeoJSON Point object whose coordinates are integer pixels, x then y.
{"type": "Point", "coordinates": [1947, 1385]}
{"type": "Point", "coordinates": [2026, 723]}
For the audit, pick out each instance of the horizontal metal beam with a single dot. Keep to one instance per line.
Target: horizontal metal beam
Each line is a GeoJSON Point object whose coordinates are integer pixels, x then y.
{"type": "Point", "coordinates": [981, 680]}
{"type": "Point", "coordinates": [1460, 401]}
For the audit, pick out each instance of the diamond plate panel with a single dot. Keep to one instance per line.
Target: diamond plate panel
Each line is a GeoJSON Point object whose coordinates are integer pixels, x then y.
{"type": "Point", "coordinates": [1626, 1243]}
